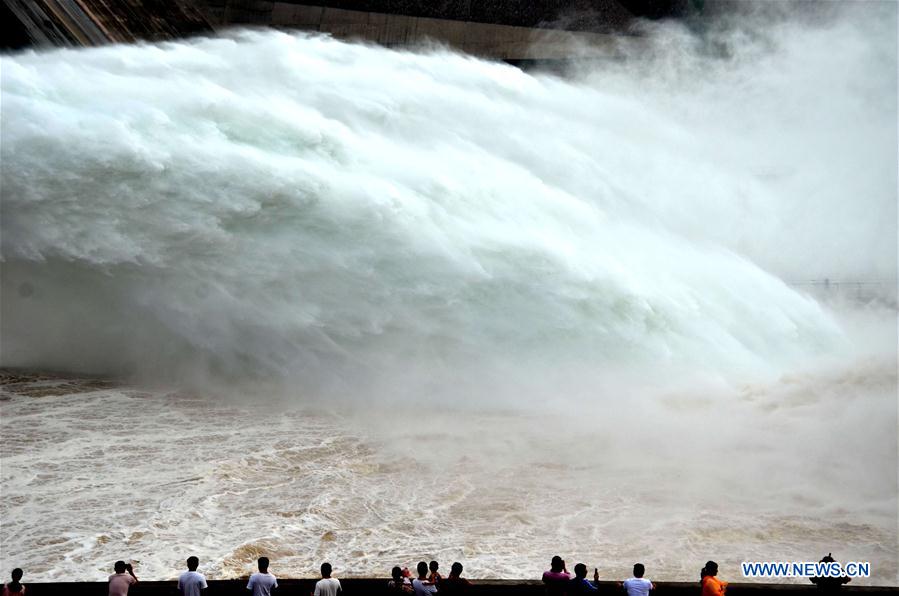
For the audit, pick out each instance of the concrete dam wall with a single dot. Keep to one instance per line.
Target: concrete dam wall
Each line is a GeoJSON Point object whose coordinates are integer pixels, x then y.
{"type": "Point", "coordinates": [514, 31]}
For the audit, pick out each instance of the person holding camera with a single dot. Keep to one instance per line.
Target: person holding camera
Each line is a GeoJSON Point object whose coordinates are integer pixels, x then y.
{"type": "Point", "coordinates": [122, 579]}
{"type": "Point", "coordinates": [557, 578]}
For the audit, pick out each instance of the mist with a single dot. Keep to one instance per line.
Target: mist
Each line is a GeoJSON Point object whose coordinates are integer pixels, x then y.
{"type": "Point", "coordinates": [334, 215]}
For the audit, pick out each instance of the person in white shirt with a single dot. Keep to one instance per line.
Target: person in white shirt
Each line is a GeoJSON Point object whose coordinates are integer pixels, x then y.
{"type": "Point", "coordinates": [262, 583]}
{"type": "Point", "coordinates": [191, 582]}
{"type": "Point", "coordinates": [637, 585]}
{"type": "Point", "coordinates": [327, 585]}
{"type": "Point", "coordinates": [421, 585]}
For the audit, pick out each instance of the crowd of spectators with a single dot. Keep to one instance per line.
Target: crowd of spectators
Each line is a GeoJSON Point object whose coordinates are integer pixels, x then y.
{"type": "Point", "coordinates": [557, 580]}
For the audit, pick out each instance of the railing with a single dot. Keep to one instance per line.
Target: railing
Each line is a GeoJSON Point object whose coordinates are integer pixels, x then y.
{"type": "Point", "coordinates": [378, 587]}
{"type": "Point", "coordinates": [860, 290]}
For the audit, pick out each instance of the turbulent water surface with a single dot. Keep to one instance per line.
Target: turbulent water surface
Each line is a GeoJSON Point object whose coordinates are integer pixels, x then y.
{"type": "Point", "coordinates": [318, 300]}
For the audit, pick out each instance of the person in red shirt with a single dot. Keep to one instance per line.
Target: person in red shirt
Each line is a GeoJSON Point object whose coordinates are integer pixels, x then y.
{"type": "Point", "coordinates": [711, 585]}
{"type": "Point", "coordinates": [557, 578]}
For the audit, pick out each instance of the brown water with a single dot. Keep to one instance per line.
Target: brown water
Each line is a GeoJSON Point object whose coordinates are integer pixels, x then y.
{"type": "Point", "coordinates": [95, 471]}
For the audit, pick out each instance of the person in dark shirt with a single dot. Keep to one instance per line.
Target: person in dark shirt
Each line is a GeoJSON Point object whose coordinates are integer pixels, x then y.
{"type": "Point", "coordinates": [15, 586]}
{"type": "Point", "coordinates": [435, 576]}
{"type": "Point", "coordinates": [579, 584]}
{"type": "Point", "coordinates": [454, 583]}
{"type": "Point", "coordinates": [399, 584]}
{"type": "Point", "coordinates": [829, 585]}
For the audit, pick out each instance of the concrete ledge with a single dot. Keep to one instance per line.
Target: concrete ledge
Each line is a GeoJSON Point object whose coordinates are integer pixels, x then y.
{"type": "Point", "coordinates": [302, 587]}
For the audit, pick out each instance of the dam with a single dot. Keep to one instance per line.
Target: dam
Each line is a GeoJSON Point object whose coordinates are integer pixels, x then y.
{"type": "Point", "coordinates": [339, 282]}
{"type": "Point", "coordinates": [512, 31]}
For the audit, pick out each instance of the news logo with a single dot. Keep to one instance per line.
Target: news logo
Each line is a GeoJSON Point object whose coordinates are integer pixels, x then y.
{"type": "Point", "coordinates": [805, 569]}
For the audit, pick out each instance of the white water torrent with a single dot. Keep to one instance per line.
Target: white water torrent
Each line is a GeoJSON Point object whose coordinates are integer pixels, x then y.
{"type": "Point", "coordinates": [378, 306]}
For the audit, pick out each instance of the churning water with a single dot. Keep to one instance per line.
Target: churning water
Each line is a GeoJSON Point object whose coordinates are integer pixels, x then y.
{"type": "Point", "coordinates": [375, 306]}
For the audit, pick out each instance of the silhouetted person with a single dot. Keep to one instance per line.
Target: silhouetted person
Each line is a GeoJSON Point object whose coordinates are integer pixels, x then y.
{"type": "Point", "coordinates": [579, 583]}
{"type": "Point", "coordinates": [191, 581]}
{"type": "Point", "coordinates": [829, 584]}
{"type": "Point", "coordinates": [638, 585]}
{"type": "Point", "coordinates": [262, 583]}
{"type": "Point", "coordinates": [435, 577]}
{"type": "Point", "coordinates": [327, 585]}
{"type": "Point", "coordinates": [557, 578]}
{"type": "Point", "coordinates": [399, 584]}
{"type": "Point", "coordinates": [454, 583]}
{"type": "Point", "coordinates": [421, 585]}
{"type": "Point", "coordinates": [711, 585]}
{"type": "Point", "coordinates": [15, 586]}
{"type": "Point", "coordinates": [122, 579]}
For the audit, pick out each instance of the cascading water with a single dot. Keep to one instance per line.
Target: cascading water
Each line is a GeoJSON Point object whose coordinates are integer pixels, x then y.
{"type": "Point", "coordinates": [277, 215]}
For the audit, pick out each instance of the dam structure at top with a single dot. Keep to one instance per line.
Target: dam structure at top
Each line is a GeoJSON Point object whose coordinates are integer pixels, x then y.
{"type": "Point", "coordinates": [515, 31]}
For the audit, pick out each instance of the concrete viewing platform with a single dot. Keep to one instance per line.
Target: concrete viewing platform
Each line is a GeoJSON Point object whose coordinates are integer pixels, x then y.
{"type": "Point", "coordinates": [480, 587]}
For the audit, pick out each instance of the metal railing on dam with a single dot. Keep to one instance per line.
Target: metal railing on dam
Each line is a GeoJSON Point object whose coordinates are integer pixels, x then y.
{"type": "Point", "coordinates": [851, 290]}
